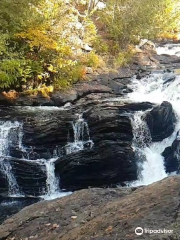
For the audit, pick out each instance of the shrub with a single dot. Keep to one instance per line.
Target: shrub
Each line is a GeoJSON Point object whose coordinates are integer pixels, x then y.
{"type": "Point", "coordinates": [124, 57]}
{"type": "Point", "coordinates": [129, 20]}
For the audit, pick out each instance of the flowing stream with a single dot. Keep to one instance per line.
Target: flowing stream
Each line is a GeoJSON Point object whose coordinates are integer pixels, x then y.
{"type": "Point", "coordinates": [11, 134]}
{"type": "Point", "coordinates": [154, 89]}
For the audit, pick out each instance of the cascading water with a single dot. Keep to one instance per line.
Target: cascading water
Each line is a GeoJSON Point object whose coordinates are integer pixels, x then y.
{"type": "Point", "coordinates": [81, 136]}
{"type": "Point", "coordinates": [10, 134]}
{"type": "Point", "coordinates": [148, 155]}
{"type": "Point", "coordinates": [52, 182]}
{"type": "Point", "coordinates": [154, 88]}
{"type": "Point", "coordinates": [169, 49]}
{"type": "Point", "coordinates": [12, 184]}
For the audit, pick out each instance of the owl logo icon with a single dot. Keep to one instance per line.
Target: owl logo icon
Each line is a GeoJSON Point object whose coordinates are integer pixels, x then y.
{"type": "Point", "coordinates": [139, 231]}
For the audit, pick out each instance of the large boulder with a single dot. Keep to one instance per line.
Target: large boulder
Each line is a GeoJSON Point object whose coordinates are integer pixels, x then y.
{"type": "Point", "coordinates": [30, 176]}
{"type": "Point", "coordinates": [172, 156]}
{"type": "Point", "coordinates": [106, 123]}
{"type": "Point", "coordinates": [161, 121]}
{"type": "Point", "coordinates": [109, 162]}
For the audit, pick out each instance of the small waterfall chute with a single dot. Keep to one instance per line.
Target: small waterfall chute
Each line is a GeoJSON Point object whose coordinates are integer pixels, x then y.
{"type": "Point", "coordinates": [148, 155]}
{"type": "Point", "coordinates": [52, 181]}
{"type": "Point", "coordinates": [81, 136]}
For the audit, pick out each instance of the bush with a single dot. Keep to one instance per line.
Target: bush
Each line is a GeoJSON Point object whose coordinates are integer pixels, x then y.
{"type": "Point", "coordinates": [127, 21]}
{"type": "Point", "coordinates": [38, 43]}
{"type": "Point", "coordinates": [123, 58]}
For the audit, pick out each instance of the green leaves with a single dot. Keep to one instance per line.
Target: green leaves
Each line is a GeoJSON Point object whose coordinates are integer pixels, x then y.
{"type": "Point", "coordinates": [37, 34]}
{"type": "Point", "coordinates": [129, 20]}
{"type": "Point", "coordinates": [13, 72]}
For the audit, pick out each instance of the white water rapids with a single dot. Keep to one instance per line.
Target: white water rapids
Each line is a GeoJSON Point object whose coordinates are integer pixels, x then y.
{"type": "Point", "coordinates": [151, 89]}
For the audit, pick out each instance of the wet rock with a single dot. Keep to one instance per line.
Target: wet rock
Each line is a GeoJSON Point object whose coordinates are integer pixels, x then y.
{"type": "Point", "coordinates": [108, 162]}
{"type": "Point", "coordinates": [172, 156]}
{"type": "Point", "coordinates": [10, 205]}
{"type": "Point", "coordinates": [60, 98]}
{"type": "Point", "coordinates": [168, 77]}
{"type": "Point", "coordinates": [38, 100]}
{"type": "Point", "coordinates": [161, 121]}
{"type": "Point", "coordinates": [111, 159]}
{"type": "Point", "coordinates": [30, 176]}
{"type": "Point", "coordinates": [3, 183]}
{"type": "Point", "coordinates": [167, 61]}
{"type": "Point", "coordinates": [106, 123]}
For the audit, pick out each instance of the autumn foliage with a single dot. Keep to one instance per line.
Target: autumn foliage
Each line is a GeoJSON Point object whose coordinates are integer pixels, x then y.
{"type": "Point", "coordinates": [49, 44]}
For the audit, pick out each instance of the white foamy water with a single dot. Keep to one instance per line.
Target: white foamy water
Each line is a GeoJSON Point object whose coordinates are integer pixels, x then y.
{"type": "Point", "coordinates": [169, 49]}
{"type": "Point", "coordinates": [10, 134]}
{"type": "Point", "coordinates": [152, 89]}
{"type": "Point", "coordinates": [52, 182]}
{"type": "Point", "coordinates": [66, 106]}
{"type": "Point", "coordinates": [148, 154]}
{"type": "Point", "coordinates": [81, 136]}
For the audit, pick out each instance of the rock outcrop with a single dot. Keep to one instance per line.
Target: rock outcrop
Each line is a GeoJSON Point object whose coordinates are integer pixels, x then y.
{"type": "Point", "coordinates": [46, 133]}
{"type": "Point", "coordinates": [108, 162]}
{"type": "Point", "coordinates": [161, 121]}
{"type": "Point", "coordinates": [172, 156]}
{"type": "Point", "coordinates": [101, 214]}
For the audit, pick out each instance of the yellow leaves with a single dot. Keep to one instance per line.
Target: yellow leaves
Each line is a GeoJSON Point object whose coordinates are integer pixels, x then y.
{"type": "Point", "coordinates": [38, 38]}
{"type": "Point", "coordinates": [90, 59]}
{"type": "Point", "coordinates": [45, 90]}
{"type": "Point", "coordinates": [39, 77]}
{"type": "Point", "coordinates": [50, 68]}
{"type": "Point", "coordinates": [64, 63]}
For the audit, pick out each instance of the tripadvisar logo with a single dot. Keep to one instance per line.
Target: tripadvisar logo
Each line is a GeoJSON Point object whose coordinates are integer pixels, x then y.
{"type": "Point", "coordinates": [139, 231]}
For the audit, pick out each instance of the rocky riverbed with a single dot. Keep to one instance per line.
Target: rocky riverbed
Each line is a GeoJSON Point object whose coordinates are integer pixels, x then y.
{"type": "Point", "coordinates": [95, 135]}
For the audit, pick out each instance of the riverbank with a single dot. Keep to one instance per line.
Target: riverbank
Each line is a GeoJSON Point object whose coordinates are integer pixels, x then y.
{"type": "Point", "coordinates": [101, 84]}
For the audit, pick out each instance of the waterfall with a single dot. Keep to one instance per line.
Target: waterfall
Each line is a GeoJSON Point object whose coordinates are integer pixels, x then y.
{"type": "Point", "coordinates": [10, 134]}
{"type": "Point", "coordinates": [153, 88]}
{"type": "Point", "coordinates": [169, 49]}
{"type": "Point", "coordinates": [148, 155]}
{"type": "Point", "coordinates": [52, 182]}
{"type": "Point", "coordinates": [12, 184]}
{"type": "Point", "coordinates": [141, 133]}
{"type": "Point", "coordinates": [81, 136]}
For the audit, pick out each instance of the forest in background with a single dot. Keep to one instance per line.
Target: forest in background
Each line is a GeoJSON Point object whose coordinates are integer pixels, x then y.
{"type": "Point", "coordinates": [51, 44]}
